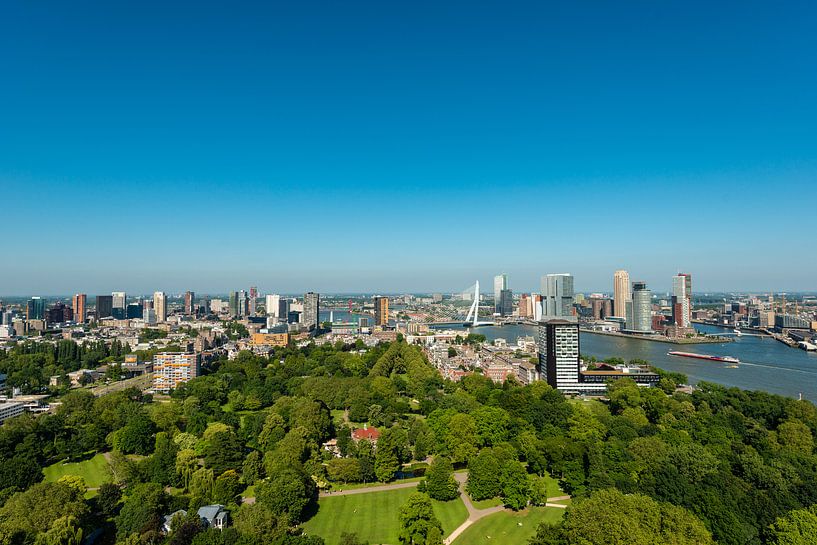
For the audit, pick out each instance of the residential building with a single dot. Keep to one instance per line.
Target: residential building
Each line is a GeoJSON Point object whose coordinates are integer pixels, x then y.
{"type": "Point", "coordinates": [311, 315]}
{"type": "Point", "coordinates": [500, 283]}
{"type": "Point", "coordinates": [681, 314]}
{"type": "Point", "coordinates": [557, 295]}
{"type": "Point", "coordinates": [251, 303]}
{"type": "Point", "coordinates": [621, 293]}
{"type": "Point", "coordinates": [381, 310]}
{"type": "Point", "coordinates": [104, 307]}
{"type": "Point", "coordinates": [525, 306]}
{"type": "Point", "coordinates": [11, 409]}
{"type": "Point", "coordinates": [173, 368]}
{"type": "Point", "coordinates": [559, 360]}
{"type": "Point", "coordinates": [273, 306]}
{"type": "Point", "coordinates": [160, 306]}
{"type": "Point", "coordinates": [78, 303]}
{"type": "Point", "coordinates": [214, 516]}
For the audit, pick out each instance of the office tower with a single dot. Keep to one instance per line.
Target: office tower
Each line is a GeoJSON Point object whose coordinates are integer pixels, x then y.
{"type": "Point", "coordinates": [272, 303]}
{"type": "Point", "coordinates": [35, 308]}
{"type": "Point", "coordinates": [118, 305]}
{"type": "Point", "coordinates": [252, 301]}
{"type": "Point", "coordinates": [506, 302]}
{"type": "Point", "coordinates": [78, 304]}
{"type": "Point", "coordinates": [500, 283]}
{"type": "Point", "coordinates": [601, 306]}
{"type": "Point", "coordinates": [134, 310]}
{"type": "Point", "coordinates": [234, 303]}
{"type": "Point", "coordinates": [381, 310]}
{"type": "Point", "coordinates": [537, 304]}
{"type": "Point", "coordinates": [243, 304]}
{"type": "Point", "coordinates": [680, 301]}
{"type": "Point", "coordinates": [312, 307]}
{"type": "Point", "coordinates": [621, 293]}
{"type": "Point", "coordinates": [557, 295]}
{"type": "Point", "coordinates": [160, 306]}
{"type": "Point", "coordinates": [170, 369]}
{"type": "Point", "coordinates": [641, 312]}
{"type": "Point", "coordinates": [104, 306]}
{"type": "Point", "coordinates": [59, 313]}
{"type": "Point", "coordinates": [559, 352]}
{"type": "Point", "coordinates": [189, 297]}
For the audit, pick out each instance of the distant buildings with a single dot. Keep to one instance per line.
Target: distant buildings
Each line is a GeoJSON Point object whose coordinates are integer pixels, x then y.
{"type": "Point", "coordinates": [506, 302]}
{"type": "Point", "coordinates": [311, 313]}
{"type": "Point", "coordinates": [160, 306]}
{"type": "Point", "coordinates": [381, 310]}
{"type": "Point", "coordinates": [253, 299]}
{"type": "Point", "coordinates": [78, 303]}
{"type": "Point", "coordinates": [525, 306]}
{"type": "Point", "coordinates": [500, 283]}
{"type": "Point", "coordinates": [621, 293]}
{"type": "Point", "coordinates": [681, 300]}
{"type": "Point", "coordinates": [170, 369]}
{"type": "Point", "coordinates": [119, 301]}
{"type": "Point", "coordinates": [557, 295]}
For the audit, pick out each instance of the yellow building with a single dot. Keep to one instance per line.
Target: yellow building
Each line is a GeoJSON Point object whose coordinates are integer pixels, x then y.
{"type": "Point", "coordinates": [270, 339]}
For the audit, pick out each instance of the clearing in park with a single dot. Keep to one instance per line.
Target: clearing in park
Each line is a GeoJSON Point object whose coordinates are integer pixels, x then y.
{"type": "Point", "coordinates": [375, 516]}
{"type": "Point", "coordinates": [95, 471]}
{"type": "Point", "coordinates": [508, 527]}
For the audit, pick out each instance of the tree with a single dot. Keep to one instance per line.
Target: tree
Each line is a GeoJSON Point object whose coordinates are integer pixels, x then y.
{"type": "Point", "coordinates": [417, 519]}
{"type": "Point", "coordinates": [163, 461]}
{"type": "Point", "coordinates": [344, 470]}
{"type": "Point", "coordinates": [224, 451]}
{"type": "Point", "coordinates": [227, 487]}
{"type": "Point", "coordinates": [798, 527]}
{"type": "Point", "coordinates": [289, 492]}
{"type": "Point", "coordinates": [136, 437]}
{"type": "Point", "coordinates": [64, 531]}
{"type": "Point", "coordinates": [253, 467]}
{"type": "Point", "coordinates": [461, 438]}
{"type": "Point", "coordinates": [107, 499]}
{"type": "Point", "coordinates": [483, 476]}
{"type": "Point", "coordinates": [515, 485]}
{"type": "Point", "coordinates": [386, 464]}
{"type": "Point", "coordinates": [187, 462]}
{"type": "Point", "coordinates": [33, 511]}
{"type": "Point", "coordinates": [20, 472]}
{"type": "Point", "coordinates": [185, 529]}
{"type": "Point", "coordinates": [796, 436]}
{"type": "Point", "coordinates": [142, 510]}
{"type": "Point", "coordinates": [440, 482]}
{"type": "Point", "coordinates": [609, 517]}
{"type": "Point", "coordinates": [491, 425]}
{"type": "Point", "coordinates": [259, 521]}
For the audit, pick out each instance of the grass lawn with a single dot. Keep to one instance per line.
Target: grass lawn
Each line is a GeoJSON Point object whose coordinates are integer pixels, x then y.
{"type": "Point", "coordinates": [375, 516]}
{"type": "Point", "coordinates": [553, 487]}
{"type": "Point", "coordinates": [95, 471]}
{"type": "Point", "coordinates": [485, 504]}
{"type": "Point", "coordinates": [508, 527]}
{"type": "Point", "coordinates": [353, 486]}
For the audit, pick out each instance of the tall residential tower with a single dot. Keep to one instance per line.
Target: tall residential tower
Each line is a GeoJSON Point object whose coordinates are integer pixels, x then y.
{"type": "Point", "coordinates": [621, 293]}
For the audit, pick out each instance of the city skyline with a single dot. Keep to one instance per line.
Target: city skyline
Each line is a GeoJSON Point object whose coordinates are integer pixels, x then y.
{"type": "Point", "coordinates": [168, 148]}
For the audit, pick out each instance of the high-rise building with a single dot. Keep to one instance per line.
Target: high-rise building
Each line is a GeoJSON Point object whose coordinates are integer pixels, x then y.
{"type": "Point", "coordinates": [312, 307]}
{"type": "Point", "coordinates": [134, 310]}
{"type": "Point", "coordinates": [234, 304]}
{"type": "Point", "coordinates": [381, 310]}
{"type": "Point", "coordinates": [557, 295]}
{"type": "Point", "coordinates": [506, 302]}
{"type": "Point", "coordinates": [170, 369]}
{"type": "Point", "coordinates": [621, 293]}
{"type": "Point", "coordinates": [273, 305]}
{"type": "Point", "coordinates": [601, 306]}
{"type": "Point", "coordinates": [160, 306]}
{"type": "Point", "coordinates": [559, 359]}
{"type": "Point", "coordinates": [35, 309]}
{"type": "Point", "coordinates": [59, 313]}
{"type": "Point", "coordinates": [189, 298]}
{"type": "Point", "coordinates": [243, 304]}
{"type": "Point", "coordinates": [78, 304]}
{"type": "Point", "coordinates": [500, 283]}
{"type": "Point", "coordinates": [104, 306]}
{"type": "Point", "coordinates": [252, 301]}
{"type": "Point", "coordinates": [119, 304]}
{"type": "Point", "coordinates": [680, 301]}
{"type": "Point", "coordinates": [641, 312]}
{"type": "Point", "coordinates": [525, 306]}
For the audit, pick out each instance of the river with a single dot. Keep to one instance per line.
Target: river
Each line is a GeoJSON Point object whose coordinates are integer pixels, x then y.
{"type": "Point", "coordinates": [766, 364]}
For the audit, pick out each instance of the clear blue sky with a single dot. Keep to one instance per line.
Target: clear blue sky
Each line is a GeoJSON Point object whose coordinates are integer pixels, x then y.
{"type": "Point", "coordinates": [406, 146]}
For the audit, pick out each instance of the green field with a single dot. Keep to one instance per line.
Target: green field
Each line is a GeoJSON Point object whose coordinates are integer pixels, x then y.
{"type": "Point", "coordinates": [374, 516]}
{"type": "Point", "coordinates": [508, 527]}
{"type": "Point", "coordinates": [94, 471]}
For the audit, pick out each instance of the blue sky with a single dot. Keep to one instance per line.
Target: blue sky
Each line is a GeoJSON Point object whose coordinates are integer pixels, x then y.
{"type": "Point", "coordinates": [351, 146]}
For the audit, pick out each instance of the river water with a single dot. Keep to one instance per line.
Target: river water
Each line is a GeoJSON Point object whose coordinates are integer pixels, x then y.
{"type": "Point", "coordinates": [766, 364]}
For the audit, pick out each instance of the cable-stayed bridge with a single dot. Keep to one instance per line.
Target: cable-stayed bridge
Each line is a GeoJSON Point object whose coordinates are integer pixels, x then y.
{"type": "Point", "coordinates": [454, 311]}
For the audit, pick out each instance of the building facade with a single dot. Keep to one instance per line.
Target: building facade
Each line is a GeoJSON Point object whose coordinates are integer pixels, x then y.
{"type": "Point", "coordinates": [621, 293]}
{"type": "Point", "coordinates": [641, 314]}
{"type": "Point", "coordinates": [559, 359]}
{"type": "Point", "coordinates": [500, 283]}
{"type": "Point", "coordinates": [78, 303]}
{"type": "Point", "coordinates": [170, 369]}
{"type": "Point", "coordinates": [104, 306]}
{"type": "Point", "coordinates": [312, 310]}
{"type": "Point", "coordinates": [189, 307]}
{"type": "Point", "coordinates": [160, 306]}
{"type": "Point", "coordinates": [381, 310]}
{"type": "Point", "coordinates": [557, 295]}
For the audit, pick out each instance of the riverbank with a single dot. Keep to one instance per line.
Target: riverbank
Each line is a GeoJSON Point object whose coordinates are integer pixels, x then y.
{"type": "Point", "coordinates": [708, 339]}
